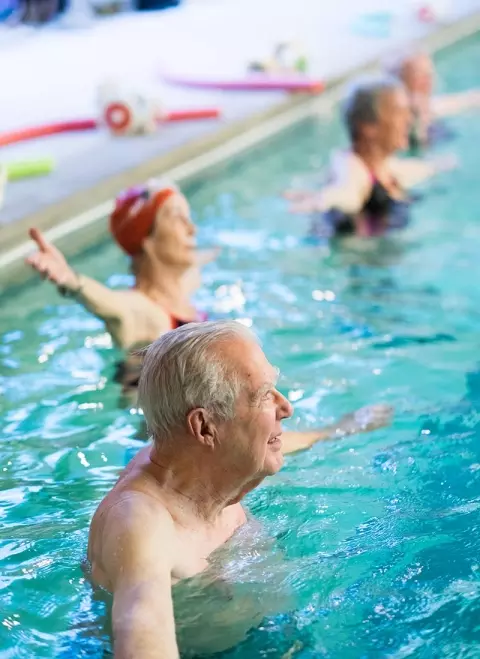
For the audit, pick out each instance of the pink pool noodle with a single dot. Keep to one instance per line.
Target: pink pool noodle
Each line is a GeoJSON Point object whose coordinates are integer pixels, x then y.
{"type": "Point", "coordinates": [251, 83]}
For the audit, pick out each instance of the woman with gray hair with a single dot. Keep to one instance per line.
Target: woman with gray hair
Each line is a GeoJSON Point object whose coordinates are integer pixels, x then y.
{"type": "Point", "coordinates": [416, 70]}
{"type": "Point", "coordinates": [367, 195]}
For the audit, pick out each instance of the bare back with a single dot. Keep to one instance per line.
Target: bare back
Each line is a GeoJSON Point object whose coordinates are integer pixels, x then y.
{"type": "Point", "coordinates": [138, 322]}
{"type": "Point", "coordinates": [131, 316]}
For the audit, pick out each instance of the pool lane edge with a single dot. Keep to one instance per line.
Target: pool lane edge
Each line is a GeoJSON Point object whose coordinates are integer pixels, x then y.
{"type": "Point", "coordinates": [189, 162]}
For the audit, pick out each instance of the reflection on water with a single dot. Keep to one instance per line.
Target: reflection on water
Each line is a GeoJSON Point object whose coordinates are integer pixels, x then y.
{"type": "Point", "coordinates": [365, 548]}
{"type": "Point", "coordinates": [247, 580]}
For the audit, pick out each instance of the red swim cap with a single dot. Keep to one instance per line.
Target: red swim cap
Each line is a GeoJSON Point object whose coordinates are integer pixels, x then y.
{"type": "Point", "coordinates": [134, 216]}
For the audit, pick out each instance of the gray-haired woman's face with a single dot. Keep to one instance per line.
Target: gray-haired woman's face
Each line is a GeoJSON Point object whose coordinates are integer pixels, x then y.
{"type": "Point", "coordinates": [393, 121]}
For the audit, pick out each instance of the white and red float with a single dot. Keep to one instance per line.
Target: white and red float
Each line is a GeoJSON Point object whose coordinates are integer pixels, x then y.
{"type": "Point", "coordinates": [120, 110]}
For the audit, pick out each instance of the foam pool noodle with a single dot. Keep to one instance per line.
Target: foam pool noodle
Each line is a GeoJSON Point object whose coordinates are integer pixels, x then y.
{"type": "Point", "coordinates": [27, 168]}
{"type": "Point", "coordinates": [301, 65]}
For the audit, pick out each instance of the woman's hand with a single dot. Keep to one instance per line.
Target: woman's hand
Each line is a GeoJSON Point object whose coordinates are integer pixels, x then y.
{"type": "Point", "coordinates": [205, 256]}
{"type": "Point", "coordinates": [365, 419]}
{"type": "Point", "coordinates": [50, 263]}
{"type": "Point", "coordinates": [304, 202]}
{"type": "Point", "coordinates": [297, 195]}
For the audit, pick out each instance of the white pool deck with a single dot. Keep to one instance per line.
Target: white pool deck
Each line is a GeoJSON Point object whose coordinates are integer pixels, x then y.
{"type": "Point", "coordinates": [52, 73]}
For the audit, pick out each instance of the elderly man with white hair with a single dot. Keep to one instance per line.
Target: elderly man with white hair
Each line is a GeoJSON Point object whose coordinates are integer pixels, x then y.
{"type": "Point", "coordinates": [215, 415]}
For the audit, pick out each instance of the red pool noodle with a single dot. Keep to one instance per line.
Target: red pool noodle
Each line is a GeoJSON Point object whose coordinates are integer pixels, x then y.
{"type": "Point", "coordinates": [185, 115]}
{"type": "Point", "coordinates": [252, 83]}
{"type": "Point", "coordinates": [24, 134]}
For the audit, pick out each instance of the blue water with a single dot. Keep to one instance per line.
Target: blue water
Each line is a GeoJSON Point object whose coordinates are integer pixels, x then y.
{"type": "Point", "coordinates": [373, 545]}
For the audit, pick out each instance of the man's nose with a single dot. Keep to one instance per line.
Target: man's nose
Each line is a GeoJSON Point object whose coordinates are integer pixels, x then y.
{"type": "Point", "coordinates": [285, 408]}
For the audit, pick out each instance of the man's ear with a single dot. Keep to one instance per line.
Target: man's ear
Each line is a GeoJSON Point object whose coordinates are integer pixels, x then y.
{"type": "Point", "coordinates": [201, 426]}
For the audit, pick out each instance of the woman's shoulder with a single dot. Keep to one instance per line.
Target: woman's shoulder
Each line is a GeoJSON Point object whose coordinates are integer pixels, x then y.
{"type": "Point", "coordinates": [135, 300]}
{"type": "Point", "coordinates": [346, 164]}
{"type": "Point", "coordinates": [144, 313]}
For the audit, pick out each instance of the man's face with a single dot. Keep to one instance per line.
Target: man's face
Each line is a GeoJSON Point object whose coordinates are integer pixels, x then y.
{"type": "Point", "coordinates": [252, 440]}
{"type": "Point", "coordinates": [393, 123]}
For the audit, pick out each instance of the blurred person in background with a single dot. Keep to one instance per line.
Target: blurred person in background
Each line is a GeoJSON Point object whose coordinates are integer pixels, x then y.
{"type": "Point", "coordinates": [416, 70]}
{"type": "Point", "coordinates": [153, 226]}
{"type": "Point", "coordinates": [36, 12]}
{"type": "Point", "coordinates": [367, 194]}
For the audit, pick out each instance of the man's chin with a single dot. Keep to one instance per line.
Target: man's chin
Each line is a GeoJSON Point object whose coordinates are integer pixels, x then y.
{"type": "Point", "coordinates": [274, 464]}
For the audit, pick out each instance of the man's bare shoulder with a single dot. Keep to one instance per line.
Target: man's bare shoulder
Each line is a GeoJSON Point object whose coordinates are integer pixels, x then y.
{"type": "Point", "coordinates": [132, 510]}
{"type": "Point", "coordinates": [135, 488]}
{"type": "Point", "coordinates": [133, 504]}
{"type": "Point", "coordinates": [131, 526]}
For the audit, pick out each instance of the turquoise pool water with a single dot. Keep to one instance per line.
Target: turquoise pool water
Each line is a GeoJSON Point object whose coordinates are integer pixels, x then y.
{"type": "Point", "coordinates": [368, 547]}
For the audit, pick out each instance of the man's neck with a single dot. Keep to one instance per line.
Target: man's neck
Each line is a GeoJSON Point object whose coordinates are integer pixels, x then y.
{"type": "Point", "coordinates": [197, 489]}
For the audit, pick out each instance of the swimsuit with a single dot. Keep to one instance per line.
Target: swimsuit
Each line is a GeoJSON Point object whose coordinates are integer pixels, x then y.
{"type": "Point", "coordinates": [382, 213]}
{"type": "Point", "coordinates": [177, 322]}
{"type": "Point", "coordinates": [127, 372]}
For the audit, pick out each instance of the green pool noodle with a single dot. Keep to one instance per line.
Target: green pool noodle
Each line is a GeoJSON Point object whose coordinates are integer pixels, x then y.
{"type": "Point", "coordinates": [301, 65]}
{"type": "Point", "coordinates": [26, 168]}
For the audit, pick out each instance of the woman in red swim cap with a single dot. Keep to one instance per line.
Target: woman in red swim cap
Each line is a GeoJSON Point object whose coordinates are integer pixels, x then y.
{"type": "Point", "coordinates": [154, 227]}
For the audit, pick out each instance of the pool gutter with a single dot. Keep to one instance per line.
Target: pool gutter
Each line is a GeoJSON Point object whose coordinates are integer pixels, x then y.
{"type": "Point", "coordinates": [85, 225]}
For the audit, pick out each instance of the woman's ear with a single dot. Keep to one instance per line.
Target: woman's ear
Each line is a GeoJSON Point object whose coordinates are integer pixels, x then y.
{"type": "Point", "coordinates": [148, 248]}
{"type": "Point", "coordinates": [201, 426]}
{"type": "Point", "coordinates": [370, 130]}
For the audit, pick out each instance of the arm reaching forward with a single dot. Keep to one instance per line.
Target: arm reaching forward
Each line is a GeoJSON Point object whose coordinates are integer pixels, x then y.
{"type": "Point", "coordinates": [50, 263]}
{"type": "Point", "coordinates": [206, 256]}
{"type": "Point", "coordinates": [365, 419]}
{"type": "Point", "coordinates": [451, 104]}
{"type": "Point", "coordinates": [350, 187]}
{"type": "Point", "coordinates": [410, 172]}
{"type": "Point", "coordinates": [137, 557]}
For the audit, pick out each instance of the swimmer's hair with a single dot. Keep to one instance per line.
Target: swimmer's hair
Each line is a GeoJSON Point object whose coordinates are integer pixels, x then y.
{"type": "Point", "coordinates": [395, 63]}
{"type": "Point", "coordinates": [184, 370]}
{"type": "Point", "coordinates": [360, 105]}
